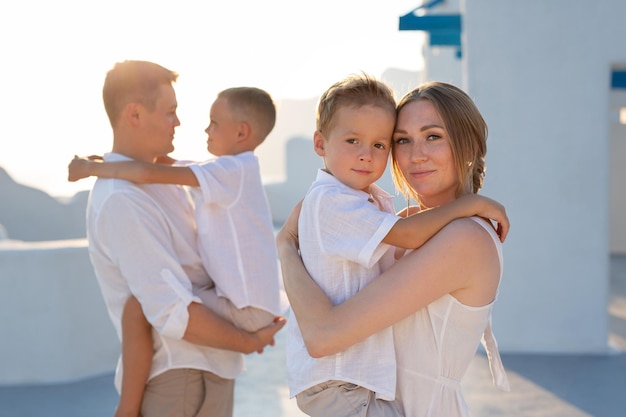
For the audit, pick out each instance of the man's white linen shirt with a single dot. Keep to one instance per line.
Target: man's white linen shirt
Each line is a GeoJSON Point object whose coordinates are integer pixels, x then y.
{"type": "Point", "coordinates": [142, 242]}
{"type": "Point", "coordinates": [236, 231]}
{"type": "Point", "coordinates": [340, 234]}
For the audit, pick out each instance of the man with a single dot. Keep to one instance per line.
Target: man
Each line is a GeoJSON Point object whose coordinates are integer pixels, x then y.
{"type": "Point", "coordinates": [142, 243]}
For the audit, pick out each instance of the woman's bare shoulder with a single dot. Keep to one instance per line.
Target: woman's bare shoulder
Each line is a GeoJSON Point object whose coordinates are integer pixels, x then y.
{"type": "Point", "coordinates": [468, 231]}
{"type": "Point", "coordinates": [478, 262]}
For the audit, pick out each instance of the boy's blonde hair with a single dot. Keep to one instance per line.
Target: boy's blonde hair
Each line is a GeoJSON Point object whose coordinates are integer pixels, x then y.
{"type": "Point", "coordinates": [356, 91]}
{"type": "Point", "coordinates": [253, 106]}
{"type": "Point", "coordinates": [466, 129]}
{"type": "Point", "coordinates": [133, 82]}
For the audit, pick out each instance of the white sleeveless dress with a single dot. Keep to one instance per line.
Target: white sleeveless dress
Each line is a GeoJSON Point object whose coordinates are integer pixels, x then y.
{"type": "Point", "coordinates": [434, 348]}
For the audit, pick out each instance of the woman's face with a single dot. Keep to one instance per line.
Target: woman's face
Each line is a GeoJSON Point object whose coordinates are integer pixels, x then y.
{"type": "Point", "coordinates": [423, 153]}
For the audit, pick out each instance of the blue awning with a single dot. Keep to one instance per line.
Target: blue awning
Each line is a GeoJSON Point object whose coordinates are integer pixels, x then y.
{"type": "Point", "coordinates": [443, 29]}
{"type": "Point", "coordinates": [618, 79]}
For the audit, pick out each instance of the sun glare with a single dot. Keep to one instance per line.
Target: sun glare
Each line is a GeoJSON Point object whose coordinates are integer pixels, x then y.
{"type": "Point", "coordinates": [52, 109]}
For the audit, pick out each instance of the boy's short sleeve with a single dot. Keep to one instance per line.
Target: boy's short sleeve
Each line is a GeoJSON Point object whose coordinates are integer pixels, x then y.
{"type": "Point", "coordinates": [221, 180]}
{"type": "Point", "coordinates": [349, 226]}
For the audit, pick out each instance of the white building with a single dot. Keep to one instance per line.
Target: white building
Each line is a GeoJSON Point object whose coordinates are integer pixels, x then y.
{"type": "Point", "coordinates": [549, 77]}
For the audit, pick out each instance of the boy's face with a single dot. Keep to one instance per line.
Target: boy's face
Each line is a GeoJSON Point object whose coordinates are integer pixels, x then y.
{"type": "Point", "coordinates": [223, 130]}
{"type": "Point", "coordinates": [356, 148]}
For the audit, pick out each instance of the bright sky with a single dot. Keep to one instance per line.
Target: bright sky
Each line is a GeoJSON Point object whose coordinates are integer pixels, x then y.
{"type": "Point", "coordinates": [55, 55]}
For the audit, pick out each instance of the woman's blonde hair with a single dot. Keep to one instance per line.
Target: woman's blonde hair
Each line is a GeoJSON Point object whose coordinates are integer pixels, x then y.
{"type": "Point", "coordinates": [466, 129]}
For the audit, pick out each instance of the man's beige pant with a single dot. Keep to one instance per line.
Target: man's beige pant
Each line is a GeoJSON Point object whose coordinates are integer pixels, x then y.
{"type": "Point", "coordinates": [188, 393]}
{"type": "Point", "coordinates": [343, 399]}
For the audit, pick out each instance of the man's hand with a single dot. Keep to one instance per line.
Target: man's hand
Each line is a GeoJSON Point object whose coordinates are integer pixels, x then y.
{"type": "Point", "coordinates": [266, 334]}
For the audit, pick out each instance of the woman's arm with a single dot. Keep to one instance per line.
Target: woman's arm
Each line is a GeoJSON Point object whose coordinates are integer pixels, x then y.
{"type": "Point", "coordinates": [460, 260]}
{"type": "Point", "coordinates": [135, 171]}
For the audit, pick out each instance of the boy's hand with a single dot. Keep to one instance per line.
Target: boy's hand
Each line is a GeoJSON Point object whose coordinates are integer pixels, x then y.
{"type": "Point", "coordinates": [491, 209]}
{"type": "Point", "coordinates": [78, 168]}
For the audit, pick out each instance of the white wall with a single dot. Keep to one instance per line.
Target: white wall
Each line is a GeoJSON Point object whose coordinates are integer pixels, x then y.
{"type": "Point", "coordinates": [540, 73]}
{"type": "Point", "coordinates": [54, 327]}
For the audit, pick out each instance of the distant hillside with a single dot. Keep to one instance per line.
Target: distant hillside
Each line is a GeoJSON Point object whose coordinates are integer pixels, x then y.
{"type": "Point", "coordinates": [30, 214]}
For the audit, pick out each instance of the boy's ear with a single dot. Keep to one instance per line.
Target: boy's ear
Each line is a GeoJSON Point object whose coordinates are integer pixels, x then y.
{"type": "Point", "coordinates": [318, 143]}
{"type": "Point", "coordinates": [244, 131]}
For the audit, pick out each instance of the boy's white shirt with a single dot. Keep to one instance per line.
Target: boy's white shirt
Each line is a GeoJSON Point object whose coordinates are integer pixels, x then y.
{"type": "Point", "coordinates": [340, 234]}
{"type": "Point", "coordinates": [236, 233]}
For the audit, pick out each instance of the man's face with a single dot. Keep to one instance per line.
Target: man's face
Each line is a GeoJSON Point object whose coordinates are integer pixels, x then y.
{"type": "Point", "coordinates": [158, 126]}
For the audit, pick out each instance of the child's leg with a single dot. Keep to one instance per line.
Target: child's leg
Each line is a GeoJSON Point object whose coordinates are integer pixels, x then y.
{"type": "Point", "coordinates": [250, 319]}
{"type": "Point", "coordinates": [136, 358]}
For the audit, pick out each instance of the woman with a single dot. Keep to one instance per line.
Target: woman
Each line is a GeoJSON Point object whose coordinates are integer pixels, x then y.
{"type": "Point", "coordinates": [439, 298]}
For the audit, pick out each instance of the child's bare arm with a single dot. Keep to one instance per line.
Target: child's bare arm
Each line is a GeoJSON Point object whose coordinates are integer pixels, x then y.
{"type": "Point", "coordinates": [79, 168]}
{"type": "Point", "coordinates": [135, 171]}
{"type": "Point", "coordinates": [406, 212]}
{"type": "Point", "coordinates": [165, 159]}
{"type": "Point", "coordinates": [413, 231]}
{"type": "Point", "coordinates": [491, 209]}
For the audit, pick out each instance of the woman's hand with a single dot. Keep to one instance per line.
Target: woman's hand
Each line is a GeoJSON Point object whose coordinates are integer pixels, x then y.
{"type": "Point", "coordinates": [288, 234]}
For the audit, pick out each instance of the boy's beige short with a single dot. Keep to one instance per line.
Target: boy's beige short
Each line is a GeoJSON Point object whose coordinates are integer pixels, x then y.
{"type": "Point", "coordinates": [188, 393]}
{"type": "Point", "coordinates": [343, 399]}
